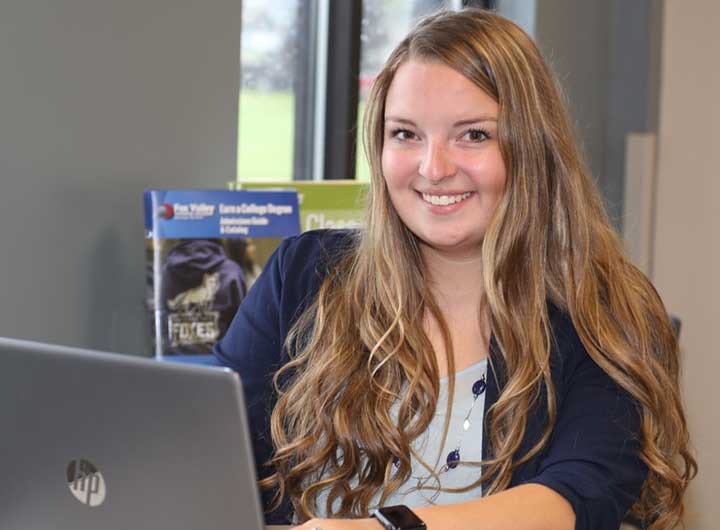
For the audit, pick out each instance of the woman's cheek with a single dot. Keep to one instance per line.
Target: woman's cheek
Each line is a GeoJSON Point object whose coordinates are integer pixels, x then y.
{"type": "Point", "coordinates": [398, 166]}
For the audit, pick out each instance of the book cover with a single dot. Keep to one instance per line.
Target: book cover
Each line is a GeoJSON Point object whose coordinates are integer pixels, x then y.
{"type": "Point", "coordinates": [323, 203]}
{"type": "Point", "coordinates": [204, 249]}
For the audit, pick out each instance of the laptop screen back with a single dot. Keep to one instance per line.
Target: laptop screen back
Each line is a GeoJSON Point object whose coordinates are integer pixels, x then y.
{"type": "Point", "coordinates": [95, 440]}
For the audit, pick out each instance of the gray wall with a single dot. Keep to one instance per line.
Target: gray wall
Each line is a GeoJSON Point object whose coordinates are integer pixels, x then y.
{"type": "Point", "coordinates": [99, 100]}
{"type": "Point", "coordinates": [633, 86]}
{"type": "Point", "coordinates": [574, 36]}
{"type": "Point", "coordinates": [687, 230]}
{"type": "Point", "coordinates": [522, 12]}
{"type": "Point", "coordinates": [606, 55]}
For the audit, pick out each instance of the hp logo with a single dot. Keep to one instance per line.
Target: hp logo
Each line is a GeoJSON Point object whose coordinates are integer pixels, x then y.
{"type": "Point", "coordinates": [86, 483]}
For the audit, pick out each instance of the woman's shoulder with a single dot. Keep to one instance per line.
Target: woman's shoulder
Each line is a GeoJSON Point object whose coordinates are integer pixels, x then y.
{"type": "Point", "coordinates": [322, 241]}
{"type": "Point", "coordinates": [561, 324]}
{"type": "Point", "coordinates": [312, 253]}
{"type": "Point", "coordinates": [317, 245]}
{"type": "Point", "coordinates": [567, 349]}
{"type": "Point", "coordinates": [569, 357]}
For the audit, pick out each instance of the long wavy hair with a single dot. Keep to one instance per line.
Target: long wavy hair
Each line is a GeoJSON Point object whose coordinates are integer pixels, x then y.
{"type": "Point", "coordinates": [360, 349]}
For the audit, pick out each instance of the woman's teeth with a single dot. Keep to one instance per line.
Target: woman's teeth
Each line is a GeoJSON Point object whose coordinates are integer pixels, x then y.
{"type": "Point", "coordinates": [444, 200]}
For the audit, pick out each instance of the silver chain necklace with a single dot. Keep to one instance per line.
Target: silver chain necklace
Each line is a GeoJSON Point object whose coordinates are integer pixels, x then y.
{"type": "Point", "coordinates": [453, 458]}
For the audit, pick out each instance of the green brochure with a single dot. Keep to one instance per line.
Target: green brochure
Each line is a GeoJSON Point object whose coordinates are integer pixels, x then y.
{"type": "Point", "coordinates": [323, 203]}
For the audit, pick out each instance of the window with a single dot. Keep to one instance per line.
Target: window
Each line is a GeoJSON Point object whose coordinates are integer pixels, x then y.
{"type": "Point", "coordinates": [384, 24]}
{"type": "Point", "coordinates": [305, 70]}
{"type": "Point", "coordinates": [271, 44]}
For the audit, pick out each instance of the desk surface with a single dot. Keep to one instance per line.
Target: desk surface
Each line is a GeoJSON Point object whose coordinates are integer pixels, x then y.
{"type": "Point", "coordinates": [624, 526]}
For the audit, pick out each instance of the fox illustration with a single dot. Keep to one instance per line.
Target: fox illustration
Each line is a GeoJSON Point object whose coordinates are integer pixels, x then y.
{"type": "Point", "coordinates": [201, 295]}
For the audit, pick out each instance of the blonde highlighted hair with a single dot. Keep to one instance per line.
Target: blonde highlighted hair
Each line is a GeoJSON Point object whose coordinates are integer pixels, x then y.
{"type": "Point", "coordinates": [361, 348]}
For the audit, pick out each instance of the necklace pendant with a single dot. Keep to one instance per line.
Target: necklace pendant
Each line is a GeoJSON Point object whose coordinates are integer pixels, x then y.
{"type": "Point", "coordinates": [466, 425]}
{"type": "Point", "coordinates": [453, 458]}
{"type": "Point", "coordinates": [479, 387]}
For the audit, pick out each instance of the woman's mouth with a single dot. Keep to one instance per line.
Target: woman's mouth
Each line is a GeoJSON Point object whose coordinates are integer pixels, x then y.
{"type": "Point", "coordinates": [445, 200]}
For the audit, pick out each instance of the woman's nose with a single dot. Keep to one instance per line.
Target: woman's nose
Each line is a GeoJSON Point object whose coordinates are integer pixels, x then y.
{"type": "Point", "coordinates": [437, 163]}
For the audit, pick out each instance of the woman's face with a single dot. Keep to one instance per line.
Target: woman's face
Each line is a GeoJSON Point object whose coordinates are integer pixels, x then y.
{"type": "Point", "coordinates": [441, 158]}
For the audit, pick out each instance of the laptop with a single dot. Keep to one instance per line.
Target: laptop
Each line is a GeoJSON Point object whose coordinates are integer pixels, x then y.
{"type": "Point", "coordinates": [95, 440]}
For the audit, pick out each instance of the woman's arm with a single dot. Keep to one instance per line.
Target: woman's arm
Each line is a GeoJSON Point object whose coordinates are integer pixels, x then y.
{"type": "Point", "coordinates": [526, 507]}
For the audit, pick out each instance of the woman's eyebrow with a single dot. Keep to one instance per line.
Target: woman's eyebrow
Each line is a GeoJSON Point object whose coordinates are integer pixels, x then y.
{"type": "Point", "coordinates": [400, 120]}
{"type": "Point", "coordinates": [478, 119]}
{"type": "Point", "coordinates": [460, 123]}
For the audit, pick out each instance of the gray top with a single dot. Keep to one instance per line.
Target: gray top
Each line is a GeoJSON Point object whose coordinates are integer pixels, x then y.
{"type": "Point", "coordinates": [425, 488]}
{"type": "Point", "coordinates": [434, 450]}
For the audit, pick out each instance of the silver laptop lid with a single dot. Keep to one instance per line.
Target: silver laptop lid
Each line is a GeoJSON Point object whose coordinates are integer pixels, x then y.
{"type": "Point", "coordinates": [94, 440]}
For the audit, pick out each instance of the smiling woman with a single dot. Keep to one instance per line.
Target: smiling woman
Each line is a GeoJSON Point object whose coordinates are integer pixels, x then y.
{"type": "Point", "coordinates": [482, 353]}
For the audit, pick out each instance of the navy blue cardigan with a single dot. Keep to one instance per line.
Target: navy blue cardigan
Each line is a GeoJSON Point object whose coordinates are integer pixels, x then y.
{"type": "Point", "coordinates": [592, 458]}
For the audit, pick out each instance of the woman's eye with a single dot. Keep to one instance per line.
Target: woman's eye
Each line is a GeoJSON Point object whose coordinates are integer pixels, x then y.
{"type": "Point", "coordinates": [403, 134]}
{"type": "Point", "coordinates": [475, 135]}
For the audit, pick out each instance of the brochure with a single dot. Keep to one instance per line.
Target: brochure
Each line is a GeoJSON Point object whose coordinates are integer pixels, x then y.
{"type": "Point", "coordinates": [204, 249]}
{"type": "Point", "coordinates": [323, 203]}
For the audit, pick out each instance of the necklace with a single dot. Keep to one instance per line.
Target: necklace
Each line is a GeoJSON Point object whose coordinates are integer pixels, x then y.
{"type": "Point", "coordinates": [453, 457]}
